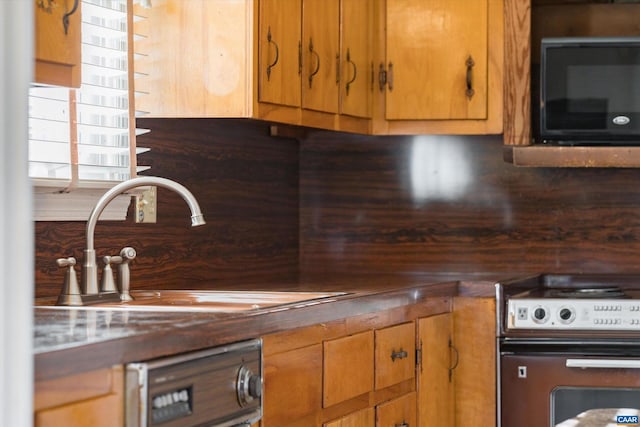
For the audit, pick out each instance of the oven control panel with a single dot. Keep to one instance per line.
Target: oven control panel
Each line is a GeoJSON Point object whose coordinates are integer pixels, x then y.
{"type": "Point", "coordinates": [579, 314]}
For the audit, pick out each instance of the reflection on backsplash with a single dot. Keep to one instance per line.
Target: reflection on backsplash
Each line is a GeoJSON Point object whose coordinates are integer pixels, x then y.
{"type": "Point", "coordinates": [440, 168]}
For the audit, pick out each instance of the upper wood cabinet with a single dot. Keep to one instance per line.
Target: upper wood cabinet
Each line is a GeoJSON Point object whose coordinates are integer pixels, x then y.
{"type": "Point", "coordinates": [321, 55]}
{"type": "Point", "coordinates": [315, 62]}
{"type": "Point", "coordinates": [526, 23]}
{"type": "Point", "coordinates": [363, 66]}
{"type": "Point", "coordinates": [436, 59]}
{"type": "Point", "coordinates": [57, 46]}
{"type": "Point", "coordinates": [279, 67]}
{"type": "Point", "coordinates": [442, 67]}
{"type": "Point", "coordinates": [196, 58]}
{"type": "Point", "coordinates": [357, 69]}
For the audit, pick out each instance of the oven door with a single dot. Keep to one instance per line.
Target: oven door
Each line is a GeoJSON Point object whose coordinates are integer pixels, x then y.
{"type": "Point", "coordinates": [569, 387]}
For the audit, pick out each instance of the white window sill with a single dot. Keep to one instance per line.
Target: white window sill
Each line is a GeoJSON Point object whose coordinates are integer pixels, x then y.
{"type": "Point", "coordinates": [49, 204]}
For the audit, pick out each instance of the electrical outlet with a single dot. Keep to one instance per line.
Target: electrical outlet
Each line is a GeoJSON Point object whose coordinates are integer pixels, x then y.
{"type": "Point", "coordinates": [522, 313]}
{"type": "Point", "coordinates": [146, 205]}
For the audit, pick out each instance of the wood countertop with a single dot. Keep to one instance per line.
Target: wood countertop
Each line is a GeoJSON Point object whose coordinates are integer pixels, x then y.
{"type": "Point", "coordinates": [68, 340]}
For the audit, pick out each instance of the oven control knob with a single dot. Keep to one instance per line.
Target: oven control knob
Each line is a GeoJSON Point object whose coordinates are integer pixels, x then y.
{"type": "Point", "coordinates": [249, 386]}
{"type": "Point", "coordinates": [540, 314]}
{"type": "Point", "coordinates": [566, 315]}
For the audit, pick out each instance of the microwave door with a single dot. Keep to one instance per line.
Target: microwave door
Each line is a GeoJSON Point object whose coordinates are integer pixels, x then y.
{"type": "Point", "coordinates": [590, 92]}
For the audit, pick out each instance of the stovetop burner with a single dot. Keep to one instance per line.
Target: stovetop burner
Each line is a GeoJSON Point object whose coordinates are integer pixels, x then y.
{"type": "Point", "coordinates": [601, 293]}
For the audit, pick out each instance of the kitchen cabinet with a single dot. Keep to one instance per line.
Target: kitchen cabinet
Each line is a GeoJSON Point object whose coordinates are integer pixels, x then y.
{"type": "Point", "coordinates": [362, 418]}
{"type": "Point", "coordinates": [526, 23]}
{"type": "Point", "coordinates": [348, 368]}
{"type": "Point", "coordinates": [395, 355]}
{"type": "Point", "coordinates": [279, 63]}
{"type": "Point", "coordinates": [474, 365]}
{"type": "Point", "coordinates": [442, 69]}
{"type": "Point", "coordinates": [357, 69]}
{"type": "Point", "coordinates": [348, 372]}
{"type": "Point", "coordinates": [314, 63]}
{"type": "Point", "coordinates": [195, 58]}
{"type": "Point", "coordinates": [93, 398]}
{"type": "Point", "coordinates": [293, 386]}
{"type": "Point", "coordinates": [57, 49]}
{"type": "Point", "coordinates": [397, 412]}
{"type": "Point", "coordinates": [435, 369]}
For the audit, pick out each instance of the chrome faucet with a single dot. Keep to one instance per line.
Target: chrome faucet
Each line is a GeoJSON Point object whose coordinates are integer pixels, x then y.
{"type": "Point", "coordinates": [89, 267]}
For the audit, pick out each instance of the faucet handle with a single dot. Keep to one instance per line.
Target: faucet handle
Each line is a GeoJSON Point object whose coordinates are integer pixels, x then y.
{"type": "Point", "coordinates": [66, 262]}
{"type": "Point", "coordinates": [107, 284]}
{"type": "Point", "coordinates": [70, 293]}
{"type": "Point", "coordinates": [124, 277]}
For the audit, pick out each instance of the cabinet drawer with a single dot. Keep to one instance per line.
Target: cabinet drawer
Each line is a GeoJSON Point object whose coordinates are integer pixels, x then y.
{"type": "Point", "coordinates": [398, 412]}
{"type": "Point", "coordinates": [348, 367]}
{"type": "Point", "coordinates": [363, 418]}
{"type": "Point", "coordinates": [395, 355]}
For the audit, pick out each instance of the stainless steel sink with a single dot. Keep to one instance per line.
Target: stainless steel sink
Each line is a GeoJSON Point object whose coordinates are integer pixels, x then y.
{"type": "Point", "coordinates": [216, 301]}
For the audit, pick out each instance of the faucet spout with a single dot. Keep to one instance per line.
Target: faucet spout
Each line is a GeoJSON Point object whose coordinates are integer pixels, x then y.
{"type": "Point", "coordinates": [89, 267]}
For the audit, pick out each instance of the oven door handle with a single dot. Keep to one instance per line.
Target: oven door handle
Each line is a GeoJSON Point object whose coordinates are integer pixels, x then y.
{"type": "Point", "coordinates": [603, 363]}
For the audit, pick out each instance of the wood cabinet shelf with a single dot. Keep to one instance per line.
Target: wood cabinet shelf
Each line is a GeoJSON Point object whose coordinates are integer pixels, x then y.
{"type": "Point", "coordinates": [526, 23]}
{"type": "Point", "coordinates": [554, 156]}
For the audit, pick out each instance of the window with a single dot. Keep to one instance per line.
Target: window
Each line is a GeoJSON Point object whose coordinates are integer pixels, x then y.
{"type": "Point", "coordinates": [82, 141]}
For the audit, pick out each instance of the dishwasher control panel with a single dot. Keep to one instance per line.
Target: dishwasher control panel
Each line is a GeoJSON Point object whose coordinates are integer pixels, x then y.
{"type": "Point", "coordinates": [218, 387]}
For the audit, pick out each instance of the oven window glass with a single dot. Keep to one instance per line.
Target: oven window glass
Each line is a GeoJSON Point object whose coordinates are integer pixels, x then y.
{"type": "Point", "coordinates": [594, 407]}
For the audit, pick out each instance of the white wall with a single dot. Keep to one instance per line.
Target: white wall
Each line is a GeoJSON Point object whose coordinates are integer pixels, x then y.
{"type": "Point", "coordinates": [16, 229]}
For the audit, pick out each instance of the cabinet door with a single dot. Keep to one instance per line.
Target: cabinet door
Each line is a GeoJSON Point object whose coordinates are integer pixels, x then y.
{"type": "Point", "coordinates": [397, 412]}
{"type": "Point", "coordinates": [292, 387]}
{"type": "Point", "coordinates": [363, 418]}
{"type": "Point", "coordinates": [435, 388]}
{"type": "Point", "coordinates": [356, 74]}
{"type": "Point", "coordinates": [92, 398]}
{"type": "Point", "coordinates": [348, 367]}
{"type": "Point", "coordinates": [321, 55]}
{"type": "Point", "coordinates": [57, 52]}
{"type": "Point", "coordinates": [436, 59]}
{"type": "Point", "coordinates": [395, 355]}
{"type": "Point", "coordinates": [197, 60]}
{"type": "Point", "coordinates": [279, 45]}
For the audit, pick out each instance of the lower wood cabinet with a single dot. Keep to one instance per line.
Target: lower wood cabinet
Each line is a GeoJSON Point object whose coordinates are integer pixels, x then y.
{"type": "Point", "coordinates": [293, 387]}
{"type": "Point", "coordinates": [89, 399]}
{"type": "Point", "coordinates": [348, 368]}
{"type": "Point", "coordinates": [435, 371]}
{"type": "Point", "coordinates": [363, 418]}
{"type": "Point", "coordinates": [397, 412]}
{"type": "Point", "coordinates": [361, 371]}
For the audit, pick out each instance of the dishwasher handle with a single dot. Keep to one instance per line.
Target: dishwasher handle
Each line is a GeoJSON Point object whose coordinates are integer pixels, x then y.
{"type": "Point", "coordinates": [603, 363]}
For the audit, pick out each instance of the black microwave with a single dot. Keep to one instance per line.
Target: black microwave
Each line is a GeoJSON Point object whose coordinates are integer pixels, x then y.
{"type": "Point", "coordinates": [590, 91]}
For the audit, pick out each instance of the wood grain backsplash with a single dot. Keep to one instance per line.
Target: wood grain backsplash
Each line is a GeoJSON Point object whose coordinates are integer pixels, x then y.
{"type": "Point", "coordinates": [450, 204]}
{"type": "Point", "coordinates": [343, 203]}
{"type": "Point", "coordinates": [247, 186]}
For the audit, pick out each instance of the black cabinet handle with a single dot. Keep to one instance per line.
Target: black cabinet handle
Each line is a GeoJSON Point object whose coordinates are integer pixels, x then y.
{"type": "Point", "coordinates": [398, 355]}
{"type": "Point", "coordinates": [470, 63]}
{"type": "Point", "coordinates": [275, 61]}
{"type": "Point", "coordinates": [355, 71]}
{"type": "Point", "coordinates": [314, 72]}
{"type": "Point", "coordinates": [65, 17]}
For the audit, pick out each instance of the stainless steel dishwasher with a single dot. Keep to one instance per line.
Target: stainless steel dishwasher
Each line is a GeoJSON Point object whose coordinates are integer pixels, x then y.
{"type": "Point", "coordinates": [218, 387]}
